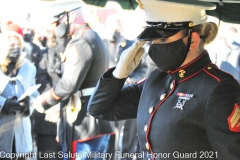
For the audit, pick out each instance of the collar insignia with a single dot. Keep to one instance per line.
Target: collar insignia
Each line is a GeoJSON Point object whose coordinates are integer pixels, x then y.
{"type": "Point", "coordinates": [234, 119]}
{"type": "Point", "coordinates": [181, 73]}
{"type": "Point", "coordinates": [182, 99]}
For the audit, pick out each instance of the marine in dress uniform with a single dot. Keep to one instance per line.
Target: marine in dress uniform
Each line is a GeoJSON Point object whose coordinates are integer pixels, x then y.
{"type": "Point", "coordinates": [187, 108]}
{"type": "Point", "coordinates": [85, 60]}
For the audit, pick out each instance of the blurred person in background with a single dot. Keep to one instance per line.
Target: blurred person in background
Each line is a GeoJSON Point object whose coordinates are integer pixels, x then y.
{"type": "Point", "coordinates": [112, 38]}
{"type": "Point", "coordinates": [43, 132]}
{"type": "Point", "coordinates": [45, 129]}
{"type": "Point", "coordinates": [42, 62]}
{"type": "Point", "coordinates": [17, 75]}
{"type": "Point", "coordinates": [30, 49]}
{"type": "Point", "coordinates": [85, 59]}
{"type": "Point", "coordinates": [226, 52]}
{"type": "Point", "coordinates": [56, 56]}
{"type": "Point", "coordinates": [41, 37]}
{"type": "Point", "coordinates": [115, 44]}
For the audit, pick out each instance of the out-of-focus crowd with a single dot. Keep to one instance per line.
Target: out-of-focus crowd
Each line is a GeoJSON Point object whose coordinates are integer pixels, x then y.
{"type": "Point", "coordinates": [31, 56]}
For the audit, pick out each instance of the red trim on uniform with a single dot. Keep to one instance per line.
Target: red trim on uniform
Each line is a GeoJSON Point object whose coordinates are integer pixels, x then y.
{"type": "Point", "coordinates": [234, 119]}
{"type": "Point", "coordinates": [74, 143]}
{"type": "Point", "coordinates": [189, 63]}
{"type": "Point", "coordinates": [212, 75]}
{"type": "Point", "coordinates": [222, 70]}
{"type": "Point", "coordinates": [190, 76]}
{"type": "Point", "coordinates": [56, 97]}
{"type": "Point", "coordinates": [149, 124]}
{"type": "Point", "coordinates": [217, 68]}
{"type": "Point", "coordinates": [87, 139]}
{"type": "Point", "coordinates": [74, 149]}
{"type": "Point", "coordinates": [141, 81]}
{"type": "Point", "coordinates": [82, 31]}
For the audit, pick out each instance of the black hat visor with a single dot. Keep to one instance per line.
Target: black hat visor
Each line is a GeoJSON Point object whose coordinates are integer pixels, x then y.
{"type": "Point", "coordinates": [58, 17]}
{"type": "Point", "coordinates": [61, 15]}
{"type": "Point", "coordinates": [151, 33]}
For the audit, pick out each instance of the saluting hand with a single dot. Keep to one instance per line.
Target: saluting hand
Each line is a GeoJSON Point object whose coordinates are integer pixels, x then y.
{"type": "Point", "coordinates": [129, 60]}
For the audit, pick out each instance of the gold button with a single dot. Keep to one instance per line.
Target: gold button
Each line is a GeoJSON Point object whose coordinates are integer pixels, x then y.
{"type": "Point", "coordinates": [150, 110]}
{"type": "Point", "coordinates": [162, 96]}
{"type": "Point", "coordinates": [147, 146]}
{"type": "Point", "coordinates": [146, 128]}
{"type": "Point", "coordinates": [171, 85]}
{"type": "Point", "coordinates": [209, 67]}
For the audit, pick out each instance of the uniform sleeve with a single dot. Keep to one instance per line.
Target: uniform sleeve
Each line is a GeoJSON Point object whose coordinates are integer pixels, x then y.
{"type": "Point", "coordinates": [112, 100]}
{"type": "Point", "coordinates": [221, 106]}
{"type": "Point", "coordinates": [78, 62]}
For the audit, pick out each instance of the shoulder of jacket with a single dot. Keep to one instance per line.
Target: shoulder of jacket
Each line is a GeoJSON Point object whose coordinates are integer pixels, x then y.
{"type": "Point", "coordinates": [214, 72]}
{"type": "Point", "coordinates": [76, 40]}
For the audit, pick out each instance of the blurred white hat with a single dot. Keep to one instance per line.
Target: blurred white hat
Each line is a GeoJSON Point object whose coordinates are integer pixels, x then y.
{"type": "Point", "coordinates": [59, 9]}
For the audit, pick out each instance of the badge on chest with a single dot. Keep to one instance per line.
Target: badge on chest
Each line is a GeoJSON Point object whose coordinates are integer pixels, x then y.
{"type": "Point", "coordinates": [182, 99]}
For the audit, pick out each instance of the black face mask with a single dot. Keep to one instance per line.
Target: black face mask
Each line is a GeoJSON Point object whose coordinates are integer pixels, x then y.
{"type": "Point", "coordinates": [116, 37]}
{"type": "Point", "coordinates": [43, 42]}
{"type": "Point", "coordinates": [14, 54]}
{"type": "Point", "coordinates": [168, 56]}
{"type": "Point", "coordinates": [27, 37]}
{"type": "Point", "coordinates": [10, 69]}
{"type": "Point", "coordinates": [61, 31]}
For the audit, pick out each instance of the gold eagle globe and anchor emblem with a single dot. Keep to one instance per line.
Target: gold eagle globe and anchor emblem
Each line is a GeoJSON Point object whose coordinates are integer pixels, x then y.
{"type": "Point", "coordinates": [140, 4]}
{"type": "Point", "coordinates": [181, 73]}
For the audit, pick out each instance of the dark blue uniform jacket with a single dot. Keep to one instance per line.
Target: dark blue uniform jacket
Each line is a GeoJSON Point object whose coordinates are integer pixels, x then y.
{"type": "Point", "coordinates": [190, 113]}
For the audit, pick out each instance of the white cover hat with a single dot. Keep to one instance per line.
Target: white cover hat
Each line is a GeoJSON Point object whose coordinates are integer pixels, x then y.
{"type": "Point", "coordinates": [172, 15]}
{"type": "Point", "coordinates": [59, 9]}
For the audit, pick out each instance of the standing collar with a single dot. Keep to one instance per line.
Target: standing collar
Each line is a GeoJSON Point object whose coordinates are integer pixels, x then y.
{"type": "Point", "coordinates": [191, 69]}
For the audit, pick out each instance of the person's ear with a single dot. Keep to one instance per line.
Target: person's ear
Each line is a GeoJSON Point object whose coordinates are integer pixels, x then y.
{"type": "Point", "coordinates": [194, 40]}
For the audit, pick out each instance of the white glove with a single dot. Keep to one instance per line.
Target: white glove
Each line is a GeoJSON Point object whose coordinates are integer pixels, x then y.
{"type": "Point", "coordinates": [37, 104]}
{"type": "Point", "coordinates": [53, 113]}
{"type": "Point", "coordinates": [129, 60]}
